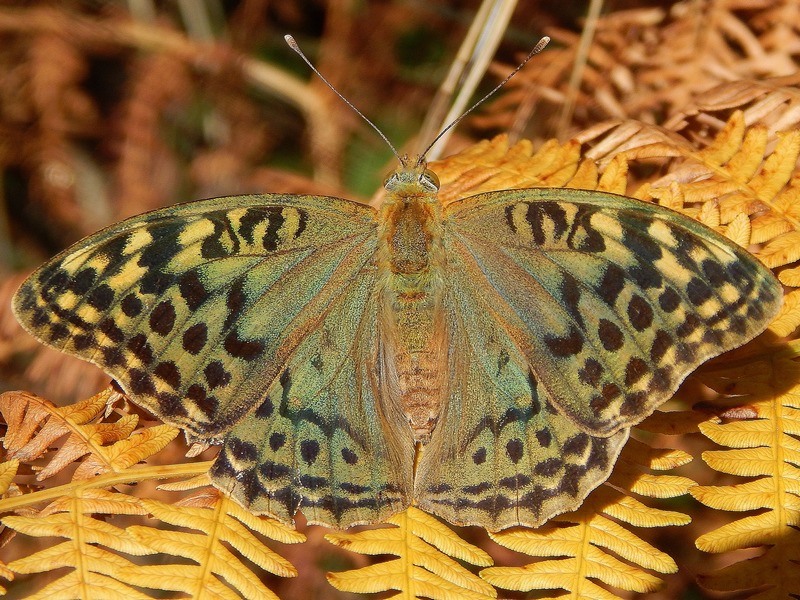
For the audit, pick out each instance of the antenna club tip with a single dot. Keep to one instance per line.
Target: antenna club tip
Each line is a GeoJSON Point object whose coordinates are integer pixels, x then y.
{"type": "Point", "coordinates": [540, 45]}
{"type": "Point", "coordinates": [290, 40]}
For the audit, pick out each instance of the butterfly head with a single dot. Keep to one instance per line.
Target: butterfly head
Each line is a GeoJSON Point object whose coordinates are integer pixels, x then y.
{"type": "Point", "coordinates": [412, 176]}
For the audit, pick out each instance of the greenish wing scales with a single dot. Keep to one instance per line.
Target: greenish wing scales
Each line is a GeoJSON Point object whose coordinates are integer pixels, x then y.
{"type": "Point", "coordinates": [319, 442]}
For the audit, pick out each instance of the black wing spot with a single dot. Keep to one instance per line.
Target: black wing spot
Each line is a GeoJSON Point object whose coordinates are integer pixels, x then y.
{"type": "Point", "coordinates": [309, 450]}
{"type": "Point", "coordinates": [162, 319]}
{"type": "Point", "coordinates": [195, 338]}
{"type": "Point", "coordinates": [640, 313]}
{"type": "Point", "coordinates": [192, 290]}
{"type": "Point", "coordinates": [101, 297]}
{"type": "Point", "coordinates": [568, 345]}
{"type": "Point", "coordinates": [515, 450]}
{"type": "Point", "coordinates": [277, 441]}
{"type": "Point", "coordinates": [245, 349]}
{"type": "Point", "coordinates": [216, 375]}
{"type": "Point", "coordinates": [610, 335]}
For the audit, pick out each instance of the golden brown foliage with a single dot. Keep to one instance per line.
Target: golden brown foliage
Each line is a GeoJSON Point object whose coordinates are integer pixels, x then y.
{"type": "Point", "coordinates": [104, 114]}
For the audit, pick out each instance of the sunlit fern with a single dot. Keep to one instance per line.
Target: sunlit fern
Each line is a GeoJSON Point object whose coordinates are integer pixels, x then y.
{"type": "Point", "coordinates": [760, 444]}
{"type": "Point", "coordinates": [423, 567]}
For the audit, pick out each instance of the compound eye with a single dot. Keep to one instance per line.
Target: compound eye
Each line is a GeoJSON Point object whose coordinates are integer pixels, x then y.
{"type": "Point", "coordinates": [390, 181]}
{"type": "Point", "coordinates": [429, 180]}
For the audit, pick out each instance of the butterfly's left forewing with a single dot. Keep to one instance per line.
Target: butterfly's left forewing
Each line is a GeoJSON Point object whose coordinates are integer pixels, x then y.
{"type": "Point", "coordinates": [590, 305]}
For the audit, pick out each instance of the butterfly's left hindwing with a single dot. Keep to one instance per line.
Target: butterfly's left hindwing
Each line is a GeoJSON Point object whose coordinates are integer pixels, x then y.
{"type": "Point", "coordinates": [590, 305]}
{"type": "Point", "coordinates": [322, 441]}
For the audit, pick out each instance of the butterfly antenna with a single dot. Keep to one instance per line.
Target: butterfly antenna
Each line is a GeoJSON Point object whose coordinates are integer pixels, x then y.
{"type": "Point", "coordinates": [293, 45]}
{"type": "Point", "coordinates": [536, 49]}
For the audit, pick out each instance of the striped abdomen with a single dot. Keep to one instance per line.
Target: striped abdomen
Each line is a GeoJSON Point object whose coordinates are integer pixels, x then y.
{"type": "Point", "coordinates": [413, 353]}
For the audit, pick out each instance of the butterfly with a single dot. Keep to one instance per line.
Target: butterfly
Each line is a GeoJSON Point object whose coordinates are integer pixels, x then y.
{"type": "Point", "coordinates": [483, 360]}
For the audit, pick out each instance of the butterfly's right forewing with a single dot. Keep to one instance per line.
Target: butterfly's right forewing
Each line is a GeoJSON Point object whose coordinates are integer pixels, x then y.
{"type": "Point", "coordinates": [200, 312]}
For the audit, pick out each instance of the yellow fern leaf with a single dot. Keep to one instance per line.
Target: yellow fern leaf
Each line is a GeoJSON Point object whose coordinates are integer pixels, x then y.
{"type": "Point", "coordinates": [739, 230]}
{"type": "Point", "coordinates": [748, 147]}
{"type": "Point", "coordinates": [586, 177]}
{"type": "Point", "coordinates": [494, 165]}
{"type": "Point", "coordinates": [779, 167]}
{"type": "Point", "coordinates": [731, 171]}
{"type": "Point", "coordinates": [91, 439]}
{"type": "Point", "coordinates": [766, 227]}
{"type": "Point", "coordinates": [789, 318]}
{"type": "Point", "coordinates": [214, 560]}
{"type": "Point", "coordinates": [84, 551]}
{"type": "Point", "coordinates": [127, 452]}
{"type": "Point", "coordinates": [78, 585]}
{"type": "Point", "coordinates": [548, 575]}
{"type": "Point", "coordinates": [751, 495]}
{"type": "Point", "coordinates": [78, 526]}
{"type": "Point", "coordinates": [790, 277]}
{"type": "Point", "coordinates": [765, 446]}
{"type": "Point", "coordinates": [98, 501]}
{"type": "Point", "coordinates": [423, 567]}
{"type": "Point", "coordinates": [226, 523]}
{"type": "Point", "coordinates": [440, 536]}
{"type": "Point", "coordinates": [781, 250]}
{"type": "Point", "coordinates": [584, 541]}
{"type": "Point", "coordinates": [6, 574]}
{"type": "Point", "coordinates": [8, 470]}
{"type": "Point", "coordinates": [229, 523]}
{"type": "Point", "coordinates": [187, 484]}
{"type": "Point", "coordinates": [723, 147]}
{"type": "Point", "coordinates": [183, 578]}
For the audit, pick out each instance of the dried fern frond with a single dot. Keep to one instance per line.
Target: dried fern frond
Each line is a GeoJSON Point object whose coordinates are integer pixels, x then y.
{"type": "Point", "coordinates": [772, 102]}
{"type": "Point", "coordinates": [648, 64]}
{"type": "Point", "coordinates": [80, 510]}
{"type": "Point", "coordinates": [34, 424]}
